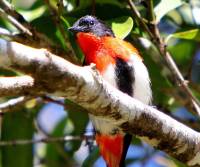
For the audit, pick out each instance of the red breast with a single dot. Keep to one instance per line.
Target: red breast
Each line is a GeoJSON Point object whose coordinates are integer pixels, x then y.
{"type": "Point", "coordinates": [102, 51]}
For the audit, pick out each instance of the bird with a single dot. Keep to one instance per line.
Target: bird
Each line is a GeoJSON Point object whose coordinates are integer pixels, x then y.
{"type": "Point", "coordinates": [120, 64]}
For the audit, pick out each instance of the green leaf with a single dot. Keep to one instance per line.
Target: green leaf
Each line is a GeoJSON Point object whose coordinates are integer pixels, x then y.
{"type": "Point", "coordinates": [177, 163]}
{"type": "Point", "coordinates": [114, 2]}
{"type": "Point", "coordinates": [30, 15]}
{"type": "Point", "coordinates": [101, 10]}
{"type": "Point", "coordinates": [165, 6]}
{"type": "Point", "coordinates": [190, 35]}
{"type": "Point", "coordinates": [17, 125]}
{"type": "Point", "coordinates": [121, 26]}
{"type": "Point", "coordinates": [76, 112]}
{"type": "Point", "coordinates": [41, 25]}
{"type": "Point", "coordinates": [88, 3]}
{"type": "Point", "coordinates": [56, 155]}
{"type": "Point", "coordinates": [92, 157]}
{"type": "Point", "coordinates": [182, 53]}
{"type": "Point", "coordinates": [66, 23]}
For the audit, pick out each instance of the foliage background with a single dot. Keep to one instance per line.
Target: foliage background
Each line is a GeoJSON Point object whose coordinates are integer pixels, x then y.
{"type": "Point", "coordinates": [178, 22]}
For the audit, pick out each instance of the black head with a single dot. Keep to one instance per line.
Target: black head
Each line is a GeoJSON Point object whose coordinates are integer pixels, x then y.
{"type": "Point", "coordinates": [93, 25]}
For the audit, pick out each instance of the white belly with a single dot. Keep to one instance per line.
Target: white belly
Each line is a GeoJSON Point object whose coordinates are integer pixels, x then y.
{"type": "Point", "coordinates": [141, 91]}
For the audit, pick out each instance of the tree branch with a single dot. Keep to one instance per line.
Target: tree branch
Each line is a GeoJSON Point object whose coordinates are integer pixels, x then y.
{"type": "Point", "coordinates": [14, 86]}
{"type": "Point", "coordinates": [18, 25]}
{"type": "Point", "coordinates": [12, 103]}
{"type": "Point", "coordinates": [84, 86]}
{"type": "Point", "coordinates": [44, 140]}
{"type": "Point", "coordinates": [9, 9]}
{"type": "Point", "coordinates": [5, 32]}
{"type": "Point", "coordinates": [56, 14]}
{"type": "Point", "coordinates": [155, 37]}
{"type": "Point", "coordinates": [37, 39]}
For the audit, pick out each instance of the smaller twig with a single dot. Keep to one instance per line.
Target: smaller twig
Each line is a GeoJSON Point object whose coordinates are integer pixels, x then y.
{"type": "Point", "coordinates": [161, 46]}
{"type": "Point", "coordinates": [49, 99]}
{"type": "Point", "coordinates": [93, 7]}
{"type": "Point", "coordinates": [61, 7]}
{"type": "Point", "coordinates": [56, 18]}
{"type": "Point", "coordinates": [170, 62]}
{"type": "Point", "coordinates": [14, 36]}
{"type": "Point", "coordinates": [152, 20]}
{"type": "Point", "coordinates": [5, 32]}
{"type": "Point", "coordinates": [151, 14]}
{"type": "Point", "coordinates": [6, 4]}
{"type": "Point", "coordinates": [45, 140]}
{"type": "Point", "coordinates": [37, 39]}
{"type": "Point", "coordinates": [17, 24]}
{"type": "Point", "coordinates": [9, 9]}
{"type": "Point", "coordinates": [139, 18]}
{"type": "Point", "coordinates": [13, 103]}
{"type": "Point", "coordinates": [77, 2]}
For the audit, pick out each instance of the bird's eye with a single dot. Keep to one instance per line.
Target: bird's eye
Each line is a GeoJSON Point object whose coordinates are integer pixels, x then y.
{"type": "Point", "coordinates": [91, 22]}
{"type": "Point", "coordinates": [86, 23]}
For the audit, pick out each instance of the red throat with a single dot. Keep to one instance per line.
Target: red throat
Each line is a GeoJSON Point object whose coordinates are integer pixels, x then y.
{"type": "Point", "coordinates": [88, 42]}
{"type": "Point", "coordinates": [103, 51]}
{"type": "Point", "coordinates": [94, 51]}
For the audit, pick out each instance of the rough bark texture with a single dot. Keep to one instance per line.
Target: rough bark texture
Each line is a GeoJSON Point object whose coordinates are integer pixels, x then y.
{"type": "Point", "coordinates": [16, 85]}
{"type": "Point", "coordinates": [83, 85]}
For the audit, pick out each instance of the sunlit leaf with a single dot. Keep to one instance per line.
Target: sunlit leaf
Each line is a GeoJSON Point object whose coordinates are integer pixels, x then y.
{"type": "Point", "coordinates": [190, 35]}
{"type": "Point", "coordinates": [121, 26]}
{"type": "Point", "coordinates": [33, 14]}
{"type": "Point", "coordinates": [165, 6]}
{"type": "Point", "coordinates": [31, 103]}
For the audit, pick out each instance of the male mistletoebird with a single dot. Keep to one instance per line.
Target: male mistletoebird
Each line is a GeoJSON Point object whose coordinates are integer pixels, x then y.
{"type": "Point", "coordinates": [120, 64]}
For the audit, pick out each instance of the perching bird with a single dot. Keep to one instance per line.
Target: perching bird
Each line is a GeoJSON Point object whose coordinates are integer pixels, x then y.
{"type": "Point", "coordinates": [120, 64]}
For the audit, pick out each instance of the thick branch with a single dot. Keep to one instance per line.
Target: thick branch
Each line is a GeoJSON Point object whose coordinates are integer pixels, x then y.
{"type": "Point", "coordinates": [15, 85]}
{"type": "Point", "coordinates": [84, 86]}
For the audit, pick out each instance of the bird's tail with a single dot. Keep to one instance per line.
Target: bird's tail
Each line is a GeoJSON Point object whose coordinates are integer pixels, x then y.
{"type": "Point", "coordinates": [113, 148]}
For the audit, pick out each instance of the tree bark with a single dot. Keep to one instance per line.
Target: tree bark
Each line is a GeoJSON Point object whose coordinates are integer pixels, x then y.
{"type": "Point", "coordinates": [83, 85]}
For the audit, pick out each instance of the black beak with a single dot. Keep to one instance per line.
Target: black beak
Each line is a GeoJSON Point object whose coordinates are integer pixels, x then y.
{"type": "Point", "coordinates": [73, 29]}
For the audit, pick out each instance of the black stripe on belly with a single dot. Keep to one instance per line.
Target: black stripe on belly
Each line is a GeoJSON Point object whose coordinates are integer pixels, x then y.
{"type": "Point", "coordinates": [124, 76]}
{"type": "Point", "coordinates": [127, 142]}
{"type": "Point", "coordinates": [125, 80]}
